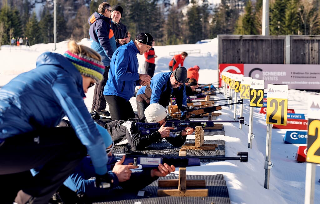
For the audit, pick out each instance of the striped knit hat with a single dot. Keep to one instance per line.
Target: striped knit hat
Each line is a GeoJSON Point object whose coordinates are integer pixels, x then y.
{"type": "Point", "coordinates": [87, 66]}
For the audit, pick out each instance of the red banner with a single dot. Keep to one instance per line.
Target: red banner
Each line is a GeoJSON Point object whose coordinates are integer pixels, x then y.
{"type": "Point", "coordinates": [232, 68]}
{"type": "Point", "coordinates": [301, 154]}
{"type": "Point", "coordinates": [297, 124]}
{"type": "Point", "coordinates": [263, 110]}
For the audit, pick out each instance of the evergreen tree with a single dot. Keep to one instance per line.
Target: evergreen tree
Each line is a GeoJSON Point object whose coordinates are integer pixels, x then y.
{"type": "Point", "coordinates": [80, 26]}
{"type": "Point", "coordinates": [5, 13]}
{"type": "Point", "coordinates": [46, 27]}
{"type": "Point", "coordinates": [32, 30]}
{"type": "Point", "coordinates": [248, 23]}
{"type": "Point", "coordinates": [258, 16]}
{"type": "Point", "coordinates": [194, 24]}
{"type": "Point", "coordinates": [16, 23]}
{"type": "Point", "coordinates": [292, 18]}
{"type": "Point", "coordinates": [205, 19]}
{"type": "Point", "coordinates": [277, 16]}
{"type": "Point", "coordinates": [173, 27]}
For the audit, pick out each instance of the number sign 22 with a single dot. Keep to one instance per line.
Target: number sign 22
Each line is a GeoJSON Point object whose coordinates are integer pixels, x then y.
{"type": "Point", "coordinates": [313, 144]}
{"type": "Point", "coordinates": [256, 97]}
{"type": "Point", "coordinates": [277, 111]}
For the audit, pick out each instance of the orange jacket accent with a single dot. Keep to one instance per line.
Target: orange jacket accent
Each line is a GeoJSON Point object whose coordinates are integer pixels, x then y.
{"type": "Point", "coordinates": [152, 53]}
{"type": "Point", "coordinates": [176, 60]}
{"type": "Point", "coordinates": [193, 72]}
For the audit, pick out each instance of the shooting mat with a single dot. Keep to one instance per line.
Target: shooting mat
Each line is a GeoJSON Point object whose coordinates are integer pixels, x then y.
{"type": "Point", "coordinates": [218, 193]}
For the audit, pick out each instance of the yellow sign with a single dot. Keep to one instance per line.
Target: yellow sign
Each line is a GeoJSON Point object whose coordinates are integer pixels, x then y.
{"type": "Point", "coordinates": [237, 86]}
{"type": "Point", "coordinates": [277, 111]}
{"type": "Point", "coordinates": [313, 144]}
{"type": "Point", "coordinates": [232, 83]}
{"type": "Point", "coordinates": [245, 91]}
{"type": "Point", "coordinates": [256, 97]}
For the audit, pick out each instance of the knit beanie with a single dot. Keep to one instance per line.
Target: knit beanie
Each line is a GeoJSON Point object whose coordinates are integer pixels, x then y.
{"type": "Point", "coordinates": [86, 66]}
{"type": "Point", "coordinates": [118, 8]}
{"type": "Point", "coordinates": [155, 113]}
{"type": "Point", "coordinates": [180, 74]}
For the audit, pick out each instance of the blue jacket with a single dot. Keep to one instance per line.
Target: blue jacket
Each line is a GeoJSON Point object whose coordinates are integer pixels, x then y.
{"type": "Point", "coordinates": [162, 88]}
{"type": "Point", "coordinates": [123, 72]}
{"type": "Point", "coordinates": [102, 36]}
{"type": "Point", "coordinates": [41, 97]}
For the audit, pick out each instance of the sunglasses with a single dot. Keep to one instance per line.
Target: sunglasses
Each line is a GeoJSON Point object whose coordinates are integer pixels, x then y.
{"type": "Point", "coordinates": [91, 84]}
{"type": "Point", "coordinates": [108, 150]}
{"type": "Point", "coordinates": [109, 10]}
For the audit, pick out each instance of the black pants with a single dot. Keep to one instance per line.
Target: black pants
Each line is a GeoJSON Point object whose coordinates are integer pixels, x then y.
{"type": "Point", "coordinates": [119, 108]}
{"type": "Point", "coordinates": [149, 67]}
{"type": "Point", "coordinates": [99, 102]}
{"type": "Point", "coordinates": [141, 107]}
{"type": "Point", "coordinates": [57, 150]}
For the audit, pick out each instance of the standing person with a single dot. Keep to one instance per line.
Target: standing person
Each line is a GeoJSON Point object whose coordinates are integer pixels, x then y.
{"type": "Point", "coordinates": [13, 41]}
{"type": "Point", "coordinates": [193, 72]}
{"type": "Point", "coordinates": [177, 60]}
{"type": "Point", "coordinates": [18, 42]}
{"type": "Point", "coordinates": [120, 30]}
{"type": "Point", "coordinates": [21, 41]}
{"type": "Point", "coordinates": [103, 41]}
{"type": "Point", "coordinates": [27, 42]}
{"type": "Point", "coordinates": [161, 87]}
{"type": "Point", "coordinates": [149, 64]}
{"type": "Point", "coordinates": [124, 76]}
{"type": "Point", "coordinates": [32, 105]}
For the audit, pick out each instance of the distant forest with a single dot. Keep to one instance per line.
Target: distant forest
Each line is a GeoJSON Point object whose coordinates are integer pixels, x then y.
{"type": "Point", "coordinates": [167, 23]}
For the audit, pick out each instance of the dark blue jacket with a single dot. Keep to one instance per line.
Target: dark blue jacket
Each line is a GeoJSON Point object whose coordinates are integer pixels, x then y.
{"type": "Point", "coordinates": [162, 89]}
{"type": "Point", "coordinates": [123, 72]}
{"type": "Point", "coordinates": [120, 31]}
{"type": "Point", "coordinates": [41, 97]}
{"type": "Point", "coordinates": [102, 36]}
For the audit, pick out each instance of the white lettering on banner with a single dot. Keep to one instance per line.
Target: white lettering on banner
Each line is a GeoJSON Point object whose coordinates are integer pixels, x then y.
{"type": "Point", "coordinates": [296, 136]}
{"type": "Point", "coordinates": [305, 151]}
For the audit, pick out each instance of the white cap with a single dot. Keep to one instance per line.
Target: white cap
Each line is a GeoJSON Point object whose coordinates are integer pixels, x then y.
{"type": "Point", "coordinates": [155, 113]}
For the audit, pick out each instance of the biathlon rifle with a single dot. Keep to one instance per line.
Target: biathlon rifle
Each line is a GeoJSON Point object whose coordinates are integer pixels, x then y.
{"type": "Point", "coordinates": [153, 161]}
{"type": "Point", "coordinates": [178, 125]}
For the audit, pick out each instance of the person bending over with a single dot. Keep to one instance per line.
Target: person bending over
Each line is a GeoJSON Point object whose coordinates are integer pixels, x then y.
{"type": "Point", "coordinates": [31, 106]}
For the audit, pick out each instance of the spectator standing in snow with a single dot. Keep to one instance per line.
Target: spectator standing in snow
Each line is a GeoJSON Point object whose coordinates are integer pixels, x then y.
{"type": "Point", "coordinates": [177, 60]}
{"type": "Point", "coordinates": [120, 30]}
{"type": "Point", "coordinates": [31, 106]}
{"type": "Point", "coordinates": [103, 41]}
{"type": "Point", "coordinates": [27, 42]}
{"type": "Point", "coordinates": [149, 64]}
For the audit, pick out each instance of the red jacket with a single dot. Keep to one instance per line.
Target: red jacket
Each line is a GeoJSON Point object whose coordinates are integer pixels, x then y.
{"type": "Point", "coordinates": [150, 56]}
{"type": "Point", "coordinates": [176, 60]}
{"type": "Point", "coordinates": [193, 72]}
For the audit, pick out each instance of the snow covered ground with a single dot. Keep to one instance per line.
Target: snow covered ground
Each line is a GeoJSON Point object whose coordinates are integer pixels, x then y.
{"type": "Point", "coordinates": [245, 181]}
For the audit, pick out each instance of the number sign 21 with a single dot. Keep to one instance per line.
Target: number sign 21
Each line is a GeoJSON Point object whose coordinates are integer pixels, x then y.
{"type": "Point", "coordinates": [277, 111]}
{"type": "Point", "coordinates": [313, 144]}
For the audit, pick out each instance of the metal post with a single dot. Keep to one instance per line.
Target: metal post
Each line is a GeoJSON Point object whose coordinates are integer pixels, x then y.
{"type": "Point", "coordinates": [241, 114]}
{"type": "Point", "coordinates": [310, 183]}
{"type": "Point", "coordinates": [268, 164]}
{"type": "Point", "coordinates": [235, 106]}
{"type": "Point", "coordinates": [250, 135]}
{"type": "Point", "coordinates": [55, 23]}
{"type": "Point", "coordinates": [288, 45]}
{"type": "Point", "coordinates": [265, 18]}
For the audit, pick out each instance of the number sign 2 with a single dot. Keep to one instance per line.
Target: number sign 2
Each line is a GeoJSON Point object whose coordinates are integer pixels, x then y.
{"type": "Point", "coordinates": [256, 97]}
{"type": "Point", "coordinates": [313, 144]}
{"type": "Point", "coordinates": [277, 111]}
